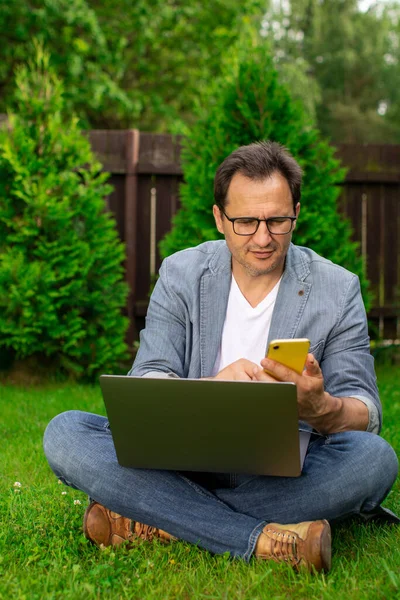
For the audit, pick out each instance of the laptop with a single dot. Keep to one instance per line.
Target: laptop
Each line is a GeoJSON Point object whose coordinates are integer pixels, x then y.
{"type": "Point", "coordinates": [205, 425]}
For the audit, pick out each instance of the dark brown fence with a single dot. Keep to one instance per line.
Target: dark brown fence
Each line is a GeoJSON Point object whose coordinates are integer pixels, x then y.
{"type": "Point", "coordinates": [146, 174]}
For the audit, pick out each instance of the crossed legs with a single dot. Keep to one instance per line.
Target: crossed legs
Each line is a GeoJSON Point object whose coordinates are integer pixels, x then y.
{"type": "Point", "coordinates": [344, 474]}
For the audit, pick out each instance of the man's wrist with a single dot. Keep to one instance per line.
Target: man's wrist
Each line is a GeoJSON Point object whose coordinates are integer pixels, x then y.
{"type": "Point", "coordinates": [328, 418]}
{"type": "Point", "coordinates": [341, 414]}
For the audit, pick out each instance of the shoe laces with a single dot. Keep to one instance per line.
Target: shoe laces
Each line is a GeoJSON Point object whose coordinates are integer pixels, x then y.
{"type": "Point", "coordinates": [283, 546]}
{"type": "Point", "coordinates": [145, 532]}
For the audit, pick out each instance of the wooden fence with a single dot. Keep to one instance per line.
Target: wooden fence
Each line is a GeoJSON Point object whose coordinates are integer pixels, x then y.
{"type": "Point", "coordinates": [145, 172]}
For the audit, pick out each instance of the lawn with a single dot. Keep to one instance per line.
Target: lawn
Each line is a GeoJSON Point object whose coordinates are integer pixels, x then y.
{"type": "Point", "coordinates": [43, 553]}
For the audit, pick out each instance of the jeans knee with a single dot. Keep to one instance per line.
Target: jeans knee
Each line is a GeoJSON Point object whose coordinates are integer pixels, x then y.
{"type": "Point", "coordinates": [380, 463]}
{"type": "Point", "coordinates": [387, 459]}
{"type": "Point", "coordinates": [57, 435]}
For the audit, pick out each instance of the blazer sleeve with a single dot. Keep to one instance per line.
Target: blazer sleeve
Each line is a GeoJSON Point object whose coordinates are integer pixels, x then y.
{"type": "Point", "coordinates": [163, 341]}
{"type": "Point", "coordinates": [347, 364]}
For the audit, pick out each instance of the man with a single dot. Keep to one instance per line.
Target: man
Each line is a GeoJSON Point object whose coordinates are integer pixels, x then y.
{"type": "Point", "coordinates": [211, 314]}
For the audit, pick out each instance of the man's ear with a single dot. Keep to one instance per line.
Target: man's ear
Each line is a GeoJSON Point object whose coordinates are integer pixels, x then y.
{"type": "Point", "coordinates": [296, 212]}
{"type": "Point", "coordinates": [218, 218]}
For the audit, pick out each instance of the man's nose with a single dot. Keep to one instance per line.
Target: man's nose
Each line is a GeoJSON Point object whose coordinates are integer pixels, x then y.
{"type": "Point", "coordinates": [262, 236]}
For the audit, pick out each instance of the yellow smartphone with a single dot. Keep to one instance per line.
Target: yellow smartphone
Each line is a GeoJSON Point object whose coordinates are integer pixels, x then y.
{"type": "Point", "coordinates": [292, 353]}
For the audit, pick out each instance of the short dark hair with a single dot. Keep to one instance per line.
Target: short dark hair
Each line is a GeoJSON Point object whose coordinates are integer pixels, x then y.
{"type": "Point", "coordinates": [258, 161]}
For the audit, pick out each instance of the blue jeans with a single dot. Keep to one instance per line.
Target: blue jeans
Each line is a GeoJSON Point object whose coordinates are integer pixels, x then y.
{"type": "Point", "coordinates": [344, 474]}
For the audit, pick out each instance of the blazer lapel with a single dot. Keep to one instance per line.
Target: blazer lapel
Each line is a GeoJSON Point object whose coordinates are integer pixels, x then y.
{"type": "Point", "coordinates": [292, 297]}
{"type": "Point", "coordinates": [214, 293]}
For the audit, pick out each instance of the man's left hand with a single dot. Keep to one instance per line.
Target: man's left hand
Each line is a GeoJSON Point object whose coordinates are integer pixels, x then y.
{"type": "Point", "coordinates": [311, 397]}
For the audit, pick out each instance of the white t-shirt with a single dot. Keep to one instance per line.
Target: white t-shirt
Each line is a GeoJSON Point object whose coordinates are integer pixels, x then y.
{"type": "Point", "coordinates": [245, 335]}
{"type": "Point", "coordinates": [246, 329]}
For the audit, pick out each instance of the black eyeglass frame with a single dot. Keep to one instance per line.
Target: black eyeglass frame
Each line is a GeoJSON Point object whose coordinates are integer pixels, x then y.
{"type": "Point", "coordinates": [232, 220]}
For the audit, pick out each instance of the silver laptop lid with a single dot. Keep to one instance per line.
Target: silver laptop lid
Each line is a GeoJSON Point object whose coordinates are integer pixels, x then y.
{"type": "Point", "coordinates": [204, 425]}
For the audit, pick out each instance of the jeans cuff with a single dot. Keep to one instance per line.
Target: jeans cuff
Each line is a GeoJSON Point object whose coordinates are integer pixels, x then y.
{"type": "Point", "coordinates": [380, 514]}
{"type": "Point", "coordinates": [253, 540]}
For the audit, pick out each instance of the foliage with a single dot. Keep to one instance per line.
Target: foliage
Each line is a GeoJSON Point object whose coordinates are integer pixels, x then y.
{"type": "Point", "coordinates": [350, 60]}
{"type": "Point", "coordinates": [248, 103]}
{"type": "Point", "coordinates": [61, 280]}
{"type": "Point", "coordinates": [171, 50]}
{"type": "Point", "coordinates": [90, 65]}
{"type": "Point", "coordinates": [130, 64]}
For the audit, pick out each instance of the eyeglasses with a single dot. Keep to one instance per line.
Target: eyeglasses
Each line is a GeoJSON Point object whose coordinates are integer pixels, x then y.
{"type": "Point", "coordinates": [249, 225]}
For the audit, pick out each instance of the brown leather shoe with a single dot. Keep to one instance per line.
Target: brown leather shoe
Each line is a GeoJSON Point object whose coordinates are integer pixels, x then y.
{"type": "Point", "coordinates": [106, 528]}
{"type": "Point", "coordinates": [306, 544]}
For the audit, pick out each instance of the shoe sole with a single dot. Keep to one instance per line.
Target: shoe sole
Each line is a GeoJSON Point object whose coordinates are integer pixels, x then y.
{"type": "Point", "coordinates": [85, 517]}
{"type": "Point", "coordinates": [325, 547]}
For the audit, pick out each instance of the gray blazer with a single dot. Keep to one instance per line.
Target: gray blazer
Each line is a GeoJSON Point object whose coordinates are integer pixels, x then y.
{"type": "Point", "coordinates": [317, 300]}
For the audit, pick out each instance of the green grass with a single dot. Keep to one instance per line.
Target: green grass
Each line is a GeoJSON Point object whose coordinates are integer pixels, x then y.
{"type": "Point", "coordinates": [44, 555]}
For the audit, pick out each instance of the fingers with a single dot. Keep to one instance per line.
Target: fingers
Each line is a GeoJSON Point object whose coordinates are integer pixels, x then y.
{"type": "Point", "coordinates": [240, 370]}
{"type": "Point", "coordinates": [283, 373]}
{"type": "Point", "coordinates": [312, 367]}
{"type": "Point", "coordinates": [278, 371]}
{"type": "Point", "coordinates": [245, 370]}
{"type": "Point", "coordinates": [261, 375]}
{"type": "Point", "coordinates": [247, 367]}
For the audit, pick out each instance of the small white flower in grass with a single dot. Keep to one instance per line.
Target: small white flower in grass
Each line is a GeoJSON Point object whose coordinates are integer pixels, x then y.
{"type": "Point", "coordinates": [59, 482]}
{"type": "Point", "coordinates": [17, 484]}
{"type": "Point", "coordinates": [63, 493]}
{"type": "Point", "coordinates": [77, 502]}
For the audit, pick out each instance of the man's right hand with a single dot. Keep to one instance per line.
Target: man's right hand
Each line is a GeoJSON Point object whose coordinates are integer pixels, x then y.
{"type": "Point", "coordinates": [240, 370]}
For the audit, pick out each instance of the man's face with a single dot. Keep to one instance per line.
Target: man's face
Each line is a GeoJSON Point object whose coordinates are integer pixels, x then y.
{"type": "Point", "coordinates": [263, 252]}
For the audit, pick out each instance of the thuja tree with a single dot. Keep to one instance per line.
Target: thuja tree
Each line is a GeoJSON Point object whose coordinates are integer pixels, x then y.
{"type": "Point", "coordinates": [61, 277]}
{"type": "Point", "coordinates": [247, 104]}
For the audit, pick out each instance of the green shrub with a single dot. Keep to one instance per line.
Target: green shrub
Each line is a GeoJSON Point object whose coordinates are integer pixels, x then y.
{"type": "Point", "coordinates": [247, 104]}
{"type": "Point", "coordinates": [61, 275]}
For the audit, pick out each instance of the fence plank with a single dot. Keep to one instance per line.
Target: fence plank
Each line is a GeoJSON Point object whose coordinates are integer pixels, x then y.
{"type": "Point", "coordinates": [391, 240]}
{"type": "Point", "coordinates": [159, 154]}
{"type": "Point", "coordinates": [115, 201]}
{"type": "Point", "coordinates": [143, 239]}
{"type": "Point", "coordinates": [110, 148]}
{"type": "Point", "coordinates": [131, 201]}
